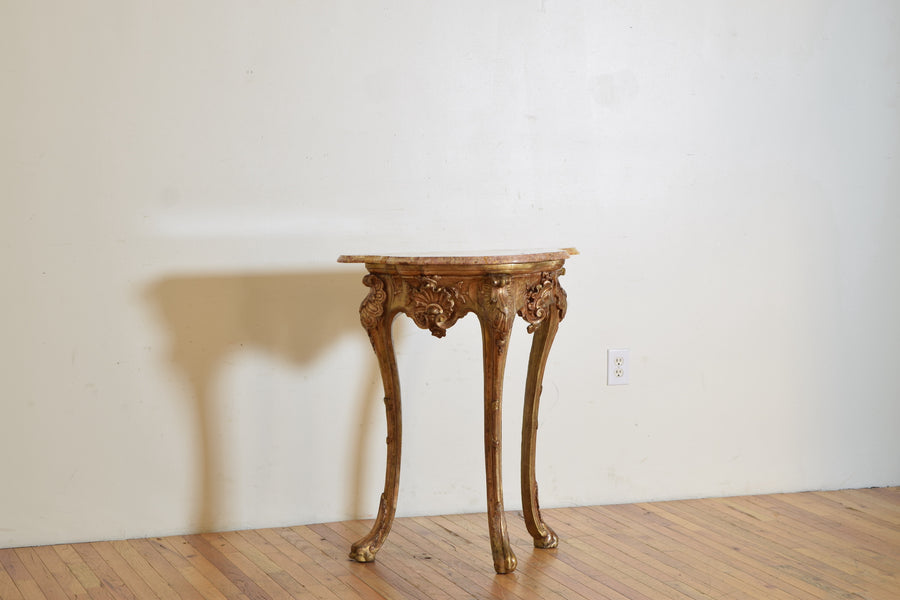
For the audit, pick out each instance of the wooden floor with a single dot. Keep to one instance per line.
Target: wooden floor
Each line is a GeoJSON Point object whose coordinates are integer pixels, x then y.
{"type": "Point", "coordinates": [833, 545]}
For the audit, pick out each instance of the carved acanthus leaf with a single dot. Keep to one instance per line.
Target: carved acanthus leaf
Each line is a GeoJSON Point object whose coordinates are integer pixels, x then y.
{"type": "Point", "coordinates": [537, 301]}
{"type": "Point", "coordinates": [499, 307]}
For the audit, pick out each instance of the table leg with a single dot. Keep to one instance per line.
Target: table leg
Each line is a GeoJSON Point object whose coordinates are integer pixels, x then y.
{"type": "Point", "coordinates": [380, 334]}
{"type": "Point", "coordinates": [495, 335]}
{"type": "Point", "coordinates": [544, 537]}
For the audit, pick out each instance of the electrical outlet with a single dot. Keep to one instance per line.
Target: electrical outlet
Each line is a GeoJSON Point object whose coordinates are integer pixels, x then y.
{"type": "Point", "coordinates": [617, 367]}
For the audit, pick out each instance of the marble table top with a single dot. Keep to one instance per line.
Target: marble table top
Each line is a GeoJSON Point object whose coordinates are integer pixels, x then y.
{"type": "Point", "coordinates": [490, 257]}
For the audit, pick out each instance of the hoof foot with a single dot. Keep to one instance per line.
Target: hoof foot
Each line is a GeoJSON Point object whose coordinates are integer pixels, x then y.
{"type": "Point", "coordinates": [363, 554]}
{"type": "Point", "coordinates": [549, 540]}
{"type": "Point", "coordinates": [506, 563]}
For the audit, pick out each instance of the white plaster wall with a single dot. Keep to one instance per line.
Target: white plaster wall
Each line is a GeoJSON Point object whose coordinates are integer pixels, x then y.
{"type": "Point", "coordinates": [181, 351]}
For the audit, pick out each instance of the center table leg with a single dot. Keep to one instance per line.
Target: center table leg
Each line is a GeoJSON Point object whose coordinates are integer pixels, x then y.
{"type": "Point", "coordinates": [495, 331]}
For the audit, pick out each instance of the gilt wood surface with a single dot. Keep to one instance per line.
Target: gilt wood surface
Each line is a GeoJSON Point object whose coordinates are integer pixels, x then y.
{"type": "Point", "coordinates": [812, 545]}
{"type": "Point", "coordinates": [435, 292]}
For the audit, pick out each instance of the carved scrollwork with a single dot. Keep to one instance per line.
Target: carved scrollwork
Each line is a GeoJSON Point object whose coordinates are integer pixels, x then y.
{"type": "Point", "coordinates": [372, 306]}
{"type": "Point", "coordinates": [540, 297]}
{"type": "Point", "coordinates": [434, 307]}
{"type": "Point", "coordinates": [562, 299]}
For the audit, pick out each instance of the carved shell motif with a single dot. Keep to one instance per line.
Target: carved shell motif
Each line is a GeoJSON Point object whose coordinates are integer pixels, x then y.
{"type": "Point", "coordinates": [433, 307]}
{"type": "Point", "coordinates": [372, 306]}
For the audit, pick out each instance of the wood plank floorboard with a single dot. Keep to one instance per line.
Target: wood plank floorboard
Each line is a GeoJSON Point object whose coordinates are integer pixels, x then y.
{"type": "Point", "coordinates": [842, 545]}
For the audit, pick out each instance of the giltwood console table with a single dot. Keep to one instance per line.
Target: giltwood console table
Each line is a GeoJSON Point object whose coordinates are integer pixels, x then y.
{"type": "Point", "coordinates": [436, 291]}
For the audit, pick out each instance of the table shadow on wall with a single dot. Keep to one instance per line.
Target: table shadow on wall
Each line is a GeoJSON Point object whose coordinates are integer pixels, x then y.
{"type": "Point", "coordinates": [293, 316]}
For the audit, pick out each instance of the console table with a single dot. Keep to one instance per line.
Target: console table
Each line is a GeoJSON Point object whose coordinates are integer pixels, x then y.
{"type": "Point", "coordinates": [436, 291]}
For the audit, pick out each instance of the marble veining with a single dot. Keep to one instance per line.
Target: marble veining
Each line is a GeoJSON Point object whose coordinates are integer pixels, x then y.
{"type": "Point", "coordinates": [490, 257]}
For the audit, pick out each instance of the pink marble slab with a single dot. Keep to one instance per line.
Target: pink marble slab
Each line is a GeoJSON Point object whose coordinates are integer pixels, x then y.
{"type": "Point", "coordinates": [491, 257]}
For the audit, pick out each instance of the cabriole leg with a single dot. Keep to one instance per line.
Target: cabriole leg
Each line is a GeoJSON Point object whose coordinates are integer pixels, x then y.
{"type": "Point", "coordinates": [379, 329]}
{"type": "Point", "coordinates": [495, 336]}
{"type": "Point", "coordinates": [544, 537]}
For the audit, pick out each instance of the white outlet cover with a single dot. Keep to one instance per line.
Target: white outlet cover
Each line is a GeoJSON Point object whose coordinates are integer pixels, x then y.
{"type": "Point", "coordinates": [617, 366]}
